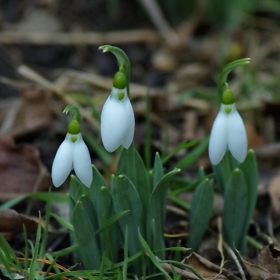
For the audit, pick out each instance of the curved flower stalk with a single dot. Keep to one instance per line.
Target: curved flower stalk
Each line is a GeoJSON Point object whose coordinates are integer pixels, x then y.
{"type": "Point", "coordinates": [117, 116]}
{"type": "Point", "coordinates": [72, 154]}
{"type": "Point", "coordinates": [228, 132]}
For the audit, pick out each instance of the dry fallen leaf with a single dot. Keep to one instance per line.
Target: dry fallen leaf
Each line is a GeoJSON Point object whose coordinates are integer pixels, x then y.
{"type": "Point", "coordinates": [257, 272]}
{"type": "Point", "coordinates": [267, 266]}
{"type": "Point", "coordinates": [21, 171]}
{"type": "Point", "coordinates": [269, 258]}
{"type": "Point", "coordinates": [27, 114]}
{"type": "Point", "coordinates": [12, 221]}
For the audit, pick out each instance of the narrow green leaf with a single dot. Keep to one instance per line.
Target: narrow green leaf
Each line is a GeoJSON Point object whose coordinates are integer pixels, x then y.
{"type": "Point", "coordinates": [7, 255]}
{"type": "Point", "coordinates": [156, 211]}
{"type": "Point", "coordinates": [152, 256]}
{"type": "Point", "coordinates": [201, 173]}
{"type": "Point", "coordinates": [26, 250]}
{"type": "Point", "coordinates": [111, 221]}
{"type": "Point", "coordinates": [131, 165]}
{"type": "Point", "coordinates": [193, 156]}
{"type": "Point", "coordinates": [201, 212]}
{"type": "Point", "coordinates": [64, 251]}
{"type": "Point", "coordinates": [250, 171]}
{"type": "Point", "coordinates": [97, 182]}
{"type": "Point", "coordinates": [84, 230]}
{"type": "Point", "coordinates": [124, 269]}
{"type": "Point", "coordinates": [186, 206]}
{"type": "Point", "coordinates": [158, 170]}
{"type": "Point", "coordinates": [223, 171]}
{"type": "Point", "coordinates": [181, 146]}
{"type": "Point", "coordinates": [46, 229]}
{"type": "Point", "coordinates": [75, 188]}
{"type": "Point", "coordinates": [235, 209]}
{"type": "Point", "coordinates": [33, 264]}
{"type": "Point", "coordinates": [63, 222]}
{"type": "Point", "coordinates": [125, 197]}
{"type": "Point", "coordinates": [45, 196]}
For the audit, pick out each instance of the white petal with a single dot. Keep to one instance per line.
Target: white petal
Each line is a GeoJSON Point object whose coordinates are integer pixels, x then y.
{"type": "Point", "coordinates": [237, 136]}
{"type": "Point", "coordinates": [82, 161]}
{"type": "Point", "coordinates": [62, 164]}
{"type": "Point", "coordinates": [113, 123]}
{"type": "Point", "coordinates": [218, 137]}
{"type": "Point", "coordinates": [128, 137]}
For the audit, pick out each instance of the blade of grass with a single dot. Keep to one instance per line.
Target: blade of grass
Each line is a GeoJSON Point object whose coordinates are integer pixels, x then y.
{"type": "Point", "coordinates": [152, 256]}
{"type": "Point", "coordinates": [193, 156]}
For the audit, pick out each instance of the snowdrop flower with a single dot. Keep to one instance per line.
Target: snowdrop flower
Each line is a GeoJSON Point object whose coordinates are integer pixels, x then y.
{"type": "Point", "coordinates": [72, 154]}
{"type": "Point", "coordinates": [117, 117]}
{"type": "Point", "coordinates": [228, 132]}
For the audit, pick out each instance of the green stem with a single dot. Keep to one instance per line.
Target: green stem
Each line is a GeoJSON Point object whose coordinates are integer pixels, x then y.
{"type": "Point", "coordinates": [123, 61]}
{"type": "Point", "coordinates": [226, 70]}
{"type": "Point", "coordinates": [76, 115]}
{"type": "Point", "coordinates": [254, 242]}
{"type": "Point", "coordinates": [180, 202]}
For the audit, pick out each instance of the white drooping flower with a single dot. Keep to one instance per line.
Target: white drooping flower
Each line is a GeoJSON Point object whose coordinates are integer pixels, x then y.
{"type": "Point", "coordinates": [228, 133]}
{"type": "Point", "coordinates": [72, 154]}
{"type": "Point", "coordinates": [117, 120]}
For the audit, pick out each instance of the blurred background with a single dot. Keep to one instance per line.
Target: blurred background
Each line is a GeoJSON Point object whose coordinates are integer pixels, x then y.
{"type": "Point", "coordinates": [49, 58]}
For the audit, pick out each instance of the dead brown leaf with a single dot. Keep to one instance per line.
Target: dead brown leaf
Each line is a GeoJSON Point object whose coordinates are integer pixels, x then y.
{"type": "Point", "coordinates": [269, 258]}
{"type": "Point", "coordinates": [267, 266]}
{"type": "Point", "coordinates": [207, 269]}
{"type": "Point", "coordinates": [27, 114]}
{"type": "Point", "coordinates": [257, 272]}
{"type": "Point", "coordinates": [12, 221]}
{"type": "Point", "coordinates": [20, 169]}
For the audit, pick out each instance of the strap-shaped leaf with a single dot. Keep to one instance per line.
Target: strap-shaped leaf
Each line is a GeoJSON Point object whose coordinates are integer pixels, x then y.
{"type": "Point", "coordinates": [250, 171]}
{"type": "Point", "coordinates": [109, 238]}
{"type": "Point", "coordinates": [223, 171]}
{"type": "Point", "coordinates": [201, 211]}
{"type": "Point", "coordinates": [193, 156]}
{"type": "Point", "coordinates": [97, 182]}
{"type": "Point", "coordinates": [84, 230]}
{"type": "Point", "coordinates": [132, 166]}
{"type": "Point", "coordinates": [75, 188]}
{"type": "Point", "coordinates": [125, 197]}
{"type": "Point", "coordinates": [158, 170]}
{"type": "Point", "coordinates": [156, 212]}
{"type": "Point", "coordinates": [235, 210]}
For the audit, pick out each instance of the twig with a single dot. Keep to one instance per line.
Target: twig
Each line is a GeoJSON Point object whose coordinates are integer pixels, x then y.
{"type": "Point", "coordinates": [156, 15]}
{"type": "Point", "coordinates": [33, 76]}
{"type": "Point", "coordinates": [79, 38]}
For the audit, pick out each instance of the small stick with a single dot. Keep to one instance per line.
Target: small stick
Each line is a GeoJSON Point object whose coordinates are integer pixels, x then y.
{"type": "Point", "coordinates": [79, 38]}
{"type": "Point", "coordinates": [156, 15]}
